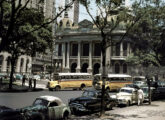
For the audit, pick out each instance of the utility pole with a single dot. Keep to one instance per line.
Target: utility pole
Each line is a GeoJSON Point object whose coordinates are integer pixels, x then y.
{"type": "Point", "coordinates": [149, 89]}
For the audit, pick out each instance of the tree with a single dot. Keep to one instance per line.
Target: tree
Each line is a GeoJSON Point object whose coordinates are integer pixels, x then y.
{"type": "Point", "coordinates": [148, 34]}
{"type": "Point", "coordinates": [37, 41]}
{"type": "Point", "coordinates": [112, 18]}
{"type": "Point", "coordinates": [149, 31]}
{"type": "Point", "coordinates": [9, 21]}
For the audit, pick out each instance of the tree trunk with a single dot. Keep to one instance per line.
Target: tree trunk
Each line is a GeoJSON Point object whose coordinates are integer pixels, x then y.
{"type": "Point", "coordinates": [12, 72]}
{"type": "Point", "coordinates": [103, 50]}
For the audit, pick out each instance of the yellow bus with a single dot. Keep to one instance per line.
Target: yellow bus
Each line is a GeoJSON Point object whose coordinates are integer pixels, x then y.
{"type": "Point", "coordinates": [70, 80]}
{"type": "Point", "coordinates": [113, 81]}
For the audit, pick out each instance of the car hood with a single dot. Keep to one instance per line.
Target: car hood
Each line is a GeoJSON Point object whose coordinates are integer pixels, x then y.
{"type": "Point", "coordinates": [82, 99]}
{"type": "Point", "coordinates": [34, 108]}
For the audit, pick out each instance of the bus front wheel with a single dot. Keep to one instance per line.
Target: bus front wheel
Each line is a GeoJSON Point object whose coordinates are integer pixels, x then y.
{"type": "Point", "coordinates": [57, 88]}
{"type": "Point", "coordinates": [82, 87]}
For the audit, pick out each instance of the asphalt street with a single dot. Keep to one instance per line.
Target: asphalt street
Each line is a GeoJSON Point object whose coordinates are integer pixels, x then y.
{"type": "Point", "coordinates": [156, 111]}
{"type": "Point", "coordinates": [18, 100]}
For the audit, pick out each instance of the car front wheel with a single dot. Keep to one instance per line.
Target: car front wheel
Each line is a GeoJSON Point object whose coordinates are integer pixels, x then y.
{"type": "Point", "coordinates": [66, 115]}
{"type": "Point", "coordinates": [128, 103]}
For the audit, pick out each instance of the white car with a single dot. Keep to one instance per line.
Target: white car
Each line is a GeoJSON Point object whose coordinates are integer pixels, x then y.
{"type": "Point", "coordinates": [37, 77]}
{"type": "Point", "coordinates": [127, 96]}
{"type": "Point", "coordinates": [47, 108]}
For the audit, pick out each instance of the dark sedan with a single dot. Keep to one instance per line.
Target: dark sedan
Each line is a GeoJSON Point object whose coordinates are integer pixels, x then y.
{"type": "Point", "coordinates": [7, 113]}
{"type": "Point", "coordinates": [89, 102]}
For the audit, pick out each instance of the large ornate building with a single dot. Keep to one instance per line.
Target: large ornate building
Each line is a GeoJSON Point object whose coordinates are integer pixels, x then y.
{"type": "Point", "coordinates": [79, 49]}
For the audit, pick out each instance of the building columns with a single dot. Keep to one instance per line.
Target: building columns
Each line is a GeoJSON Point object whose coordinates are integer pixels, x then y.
{"type": "Point", "coordinates": [63, 55]}
{"type": "Point", "coordinates": [68, 57]}
{"type": "Point", "coordinates": [24, 65]}
{"type": "Point", "coordinates": [121, 49]}
{"type": "Point", "coordinates": [78, 58]}
{"type": "Point", "coordinates": [18, 65]}
{"type": "Point", "coordinates": [128, 49]}
{"type": "Point", "coordinates": [90, 58]}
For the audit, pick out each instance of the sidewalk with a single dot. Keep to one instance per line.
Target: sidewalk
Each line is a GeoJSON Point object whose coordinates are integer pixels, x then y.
{"type": "Point", "coordinates": [155, 111]}
{"type": "Point", "coordinates": [38, 84]}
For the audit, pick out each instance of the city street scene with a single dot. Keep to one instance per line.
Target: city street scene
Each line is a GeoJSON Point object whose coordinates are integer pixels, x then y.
{"type": "Point", "coordinates": [82, 60]}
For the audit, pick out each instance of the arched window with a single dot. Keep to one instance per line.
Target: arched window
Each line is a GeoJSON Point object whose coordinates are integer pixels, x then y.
{"type": "Point", "coordinates": [84, 68]}
{"type": "Point", "coordinates": [73, 67]}
{"type": "Point", "coordinates": [117, 68]}
{"type": "Point", "coordinates": [68, 23]}
{"type": "Point", "coordinates": [124, 68]}
{"type": "Point", "coordinates": [96, 68]}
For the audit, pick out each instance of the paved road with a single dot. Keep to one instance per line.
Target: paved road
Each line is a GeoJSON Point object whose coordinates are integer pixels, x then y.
{"type": "Point", "coordinates": [156, 111]}
{"type": "Point", "coordinates": [18, 100]}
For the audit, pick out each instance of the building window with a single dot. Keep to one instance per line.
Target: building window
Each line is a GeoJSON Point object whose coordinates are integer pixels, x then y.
{"type": "Point", "coordinates": [85, 49]}
{"type": "Point", "coordinates": [117, 68]}
{"type": "Point", "coordinates": [97, 49]}
{"type": "Point", "coordinates": [60, 50]}
{"type": "Point", "coordinates": [118, 50]}
{"type": "Point", "coordinates": [125, 49]}
{"type": "Point", "coordinates": [74, 49]}
{"type": "Point", "coordinates": [124, 68]}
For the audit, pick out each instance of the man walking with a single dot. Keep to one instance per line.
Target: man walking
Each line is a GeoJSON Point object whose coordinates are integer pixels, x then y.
{"type": "Point", "coordinates": [140, 96]}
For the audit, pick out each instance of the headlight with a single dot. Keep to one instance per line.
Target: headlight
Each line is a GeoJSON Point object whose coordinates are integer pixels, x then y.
{"type": "Point", "coordinates": [85, 104]}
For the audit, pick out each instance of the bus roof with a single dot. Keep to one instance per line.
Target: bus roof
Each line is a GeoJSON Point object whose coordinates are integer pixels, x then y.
{"type": "Point", "coordinates": [74, 74]}
{"type": "Point", "coordinates": [143, 77]}
{"type": "Point", "coordinates": [116, 75]}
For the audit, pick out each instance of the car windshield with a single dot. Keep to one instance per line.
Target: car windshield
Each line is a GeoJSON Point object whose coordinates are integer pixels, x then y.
{"type": "Point", "coordinates": [126, 90]}
{"type": "Point", "coordinates": [88, 94]}
{"type": "Point", "coordinates": [145, 90]}
{"type": "Point", "coordinates": [40, 102]}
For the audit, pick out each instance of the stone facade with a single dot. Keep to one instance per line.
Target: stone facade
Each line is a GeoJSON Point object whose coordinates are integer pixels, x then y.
{"type": "Point", "coordinates": [26, 64]}
{"type": "Point", "coordinates": [78, 50]}
{"type": "Point", "coordinates": [23, 64]}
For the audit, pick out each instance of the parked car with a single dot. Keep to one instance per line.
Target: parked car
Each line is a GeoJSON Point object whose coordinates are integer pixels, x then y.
{"type": "Point", "coordinates": [140, 83]}
{"type": "Point", "coordinates": [89, 102]}
{"type": "Point", "coordinates": [37, 77]}
{"type": "Point", "coordinates": [127, 96]}
{"type": "Point", "coordinates": [7, 113]}
{"type": "Point", "coordinates": [159, 92]}
{"type": "Point", "coordinates": [47, 108]}
{"type": "Point", "coordinates": [18, 76]}
{"type": "Point", "coordinates": [146, 96]}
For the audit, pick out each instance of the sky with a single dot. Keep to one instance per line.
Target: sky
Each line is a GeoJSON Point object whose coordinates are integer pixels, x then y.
{"type": "Point", "coordinates": [84, 15]}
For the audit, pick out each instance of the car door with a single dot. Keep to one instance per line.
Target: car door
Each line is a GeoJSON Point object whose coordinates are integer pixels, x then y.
{"type": "Point", "coordinates": [134, 96]}
{"type": "Point", "coordinates": [95, 101]}
{"type": "Point", "coordinates": [55, 111]}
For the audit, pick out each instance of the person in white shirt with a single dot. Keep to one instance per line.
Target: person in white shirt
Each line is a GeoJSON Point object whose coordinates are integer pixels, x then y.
{"type": "Point", "coordinates": [140, 97]}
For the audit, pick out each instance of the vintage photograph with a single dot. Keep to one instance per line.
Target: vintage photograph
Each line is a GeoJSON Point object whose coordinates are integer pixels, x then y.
{"type": "Point", "coordinates": [82, 59]}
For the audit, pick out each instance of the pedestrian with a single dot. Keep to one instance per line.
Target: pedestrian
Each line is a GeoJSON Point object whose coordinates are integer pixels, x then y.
{"type": "Point", "coordinates": [140, 96]}
{"type": "Point", "coordinates": [23, 80]}
{"type": "Point", "coordinates": [30, 83]}
{"type": "Point", "coordinates": [34, 80]}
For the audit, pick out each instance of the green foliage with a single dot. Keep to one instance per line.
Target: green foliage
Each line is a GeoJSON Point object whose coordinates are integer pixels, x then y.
{"type": "Point", "coordinates": [147, 32]}
{"type": "Point", "coordinates": [27, 42]}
